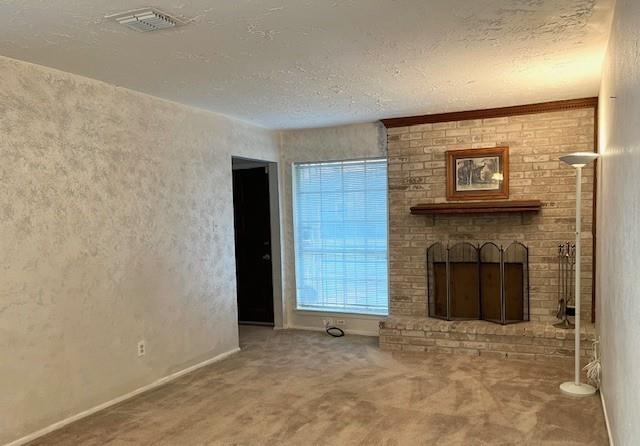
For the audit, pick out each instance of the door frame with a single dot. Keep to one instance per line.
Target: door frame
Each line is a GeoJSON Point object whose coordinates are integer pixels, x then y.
{"type": "Point", "coordinates": [276, 237]}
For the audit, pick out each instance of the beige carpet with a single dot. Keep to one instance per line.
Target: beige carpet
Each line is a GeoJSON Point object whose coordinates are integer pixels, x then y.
{"type": "Point", "coordinates": [305, 388]}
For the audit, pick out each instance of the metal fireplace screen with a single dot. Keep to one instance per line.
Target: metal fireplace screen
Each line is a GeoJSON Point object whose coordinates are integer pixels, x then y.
{"type": "Point", "coordinates": [488, 282]}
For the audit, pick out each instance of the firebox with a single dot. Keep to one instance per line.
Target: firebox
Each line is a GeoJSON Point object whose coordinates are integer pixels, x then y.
{"type": "Point", "coordinates": [486, 282]}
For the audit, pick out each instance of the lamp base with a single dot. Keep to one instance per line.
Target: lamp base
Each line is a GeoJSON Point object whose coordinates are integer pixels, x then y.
{"type": "Point", "coordinates": [570, 388]}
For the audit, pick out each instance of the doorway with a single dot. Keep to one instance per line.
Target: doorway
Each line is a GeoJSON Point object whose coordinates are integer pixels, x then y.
{"type": "Point", "coordinates": [252, 208]}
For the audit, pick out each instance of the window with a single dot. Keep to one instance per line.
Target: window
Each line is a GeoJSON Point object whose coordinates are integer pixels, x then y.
{"type": "Point", "coordinates": [340, 220]}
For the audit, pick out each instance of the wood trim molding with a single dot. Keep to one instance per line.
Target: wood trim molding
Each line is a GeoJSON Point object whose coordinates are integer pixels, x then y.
{"type": "Point", "coordinates": [542, 107]}
{"type": "Point", "coordinates": [594, 226]}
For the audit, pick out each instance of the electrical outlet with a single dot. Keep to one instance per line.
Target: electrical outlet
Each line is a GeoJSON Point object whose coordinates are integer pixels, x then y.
{"type": "Point", "coordinates": [340, 322]}
{"type": "Point", "coordinates": [142, 348]}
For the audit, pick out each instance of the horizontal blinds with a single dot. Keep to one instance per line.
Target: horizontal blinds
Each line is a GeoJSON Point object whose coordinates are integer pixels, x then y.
{"type": "Point", "coordinates": [341, 236]}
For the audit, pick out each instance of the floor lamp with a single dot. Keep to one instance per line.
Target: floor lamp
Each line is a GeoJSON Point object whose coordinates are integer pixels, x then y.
{"type": "Point", "coordinates": [578, 160]}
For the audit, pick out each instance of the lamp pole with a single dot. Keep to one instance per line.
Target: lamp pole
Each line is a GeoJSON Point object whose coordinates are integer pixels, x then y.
{"type": "Point", "coordinates": [578, 272]}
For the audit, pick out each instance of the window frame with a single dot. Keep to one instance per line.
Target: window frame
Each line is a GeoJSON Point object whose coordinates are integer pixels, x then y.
{"type": "Point", "coordinates": [295, 238]}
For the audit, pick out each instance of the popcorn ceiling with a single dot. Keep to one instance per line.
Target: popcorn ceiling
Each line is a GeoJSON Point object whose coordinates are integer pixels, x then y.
{"type": "Point", "coordinates": [293, 64]}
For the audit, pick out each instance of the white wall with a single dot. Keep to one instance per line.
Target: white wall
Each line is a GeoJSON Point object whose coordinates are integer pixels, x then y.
{"type": "Point", "coordinates": [619, 226]}
{"type": "Point", "coordinates": [116, 225]}
{"type": "Point", "coordinates": [322, 144]}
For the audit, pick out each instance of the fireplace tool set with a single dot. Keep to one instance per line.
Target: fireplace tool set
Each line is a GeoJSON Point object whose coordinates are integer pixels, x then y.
{"type": "Point", "coordinates": [566, 278]}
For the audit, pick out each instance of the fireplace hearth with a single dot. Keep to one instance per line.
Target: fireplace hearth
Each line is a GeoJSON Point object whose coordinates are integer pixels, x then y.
{"type": "Point", "coordinates": [478, 282]}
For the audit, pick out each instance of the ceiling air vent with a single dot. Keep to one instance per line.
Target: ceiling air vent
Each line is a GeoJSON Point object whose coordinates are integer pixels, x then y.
{"type": "Point", "coordinates": [147, 19]}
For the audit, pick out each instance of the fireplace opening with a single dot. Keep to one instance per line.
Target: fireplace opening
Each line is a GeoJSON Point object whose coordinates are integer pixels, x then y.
{"type": "Point", "coordinates": [487, 282]}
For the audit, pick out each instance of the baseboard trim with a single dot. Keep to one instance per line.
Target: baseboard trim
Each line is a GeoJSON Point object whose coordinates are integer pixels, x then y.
{"type": "Point", "coordinates": [606, 419]}
{"type": "Point", "coordinates": [346, 330]}
{"type": "Point", "coordinates": [60, 424]}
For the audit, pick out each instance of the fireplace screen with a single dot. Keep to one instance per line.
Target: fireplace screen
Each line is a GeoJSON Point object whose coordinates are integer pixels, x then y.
{"type": "Point", "coordinates": [489, 282]}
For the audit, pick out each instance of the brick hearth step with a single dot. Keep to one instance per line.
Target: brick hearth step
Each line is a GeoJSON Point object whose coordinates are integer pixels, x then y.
{"type": "Point", "coordinates": [525, 340]}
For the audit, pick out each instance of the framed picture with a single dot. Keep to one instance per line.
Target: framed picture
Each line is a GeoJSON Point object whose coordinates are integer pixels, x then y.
{"type": "Point", "coordinates": [478, 174]}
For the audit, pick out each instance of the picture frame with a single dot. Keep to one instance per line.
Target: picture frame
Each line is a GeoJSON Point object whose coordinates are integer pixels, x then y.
{"type": "Point", "coordinates": [478, 174]}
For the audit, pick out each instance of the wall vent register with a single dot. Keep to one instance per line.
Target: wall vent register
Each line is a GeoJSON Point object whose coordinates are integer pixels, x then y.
{"type": "Point", "coordinates": [145, 20]}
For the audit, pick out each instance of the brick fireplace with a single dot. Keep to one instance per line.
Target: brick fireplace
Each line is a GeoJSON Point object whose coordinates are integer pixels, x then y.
{"type": "Point", "coordinates": [416, 155]}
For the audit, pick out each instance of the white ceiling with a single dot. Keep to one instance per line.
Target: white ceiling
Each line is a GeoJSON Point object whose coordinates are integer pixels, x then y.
{"type": "Point", "coordinates": [309, 63]}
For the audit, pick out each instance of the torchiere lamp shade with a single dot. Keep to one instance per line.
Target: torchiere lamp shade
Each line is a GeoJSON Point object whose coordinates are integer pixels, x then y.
{"type": "Point", "coordinates": [579, 159]}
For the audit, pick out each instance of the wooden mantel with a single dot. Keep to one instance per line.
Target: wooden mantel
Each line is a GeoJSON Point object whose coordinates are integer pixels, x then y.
{"type": "Point", "coordinates": [477, 207]}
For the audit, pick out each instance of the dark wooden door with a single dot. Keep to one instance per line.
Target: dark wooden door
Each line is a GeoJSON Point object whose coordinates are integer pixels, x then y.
{"type": "Point", "coordinates": [253, 245]}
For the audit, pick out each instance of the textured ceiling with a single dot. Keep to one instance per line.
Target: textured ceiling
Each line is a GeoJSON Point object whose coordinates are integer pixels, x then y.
{"type": "Point", "coordinates": [308, 63]}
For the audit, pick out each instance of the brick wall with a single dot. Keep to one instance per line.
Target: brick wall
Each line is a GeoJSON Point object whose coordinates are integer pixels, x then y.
{"type": "Point", "coordinates": [417, 175]}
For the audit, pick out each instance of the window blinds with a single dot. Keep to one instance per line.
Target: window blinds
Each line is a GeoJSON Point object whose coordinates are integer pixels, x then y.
{"type": "Point", "coordinates": [340, 219]}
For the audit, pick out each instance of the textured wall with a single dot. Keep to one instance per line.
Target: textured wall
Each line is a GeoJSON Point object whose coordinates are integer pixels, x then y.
{"type": "Point", "coordinates": [323, 144]}
{"type": "Point", "coordinates": [417, 175]}
{"type": "Point", "coordinates": [116, 225]}
{"type": "Point", "coordinates": [618, 220]}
